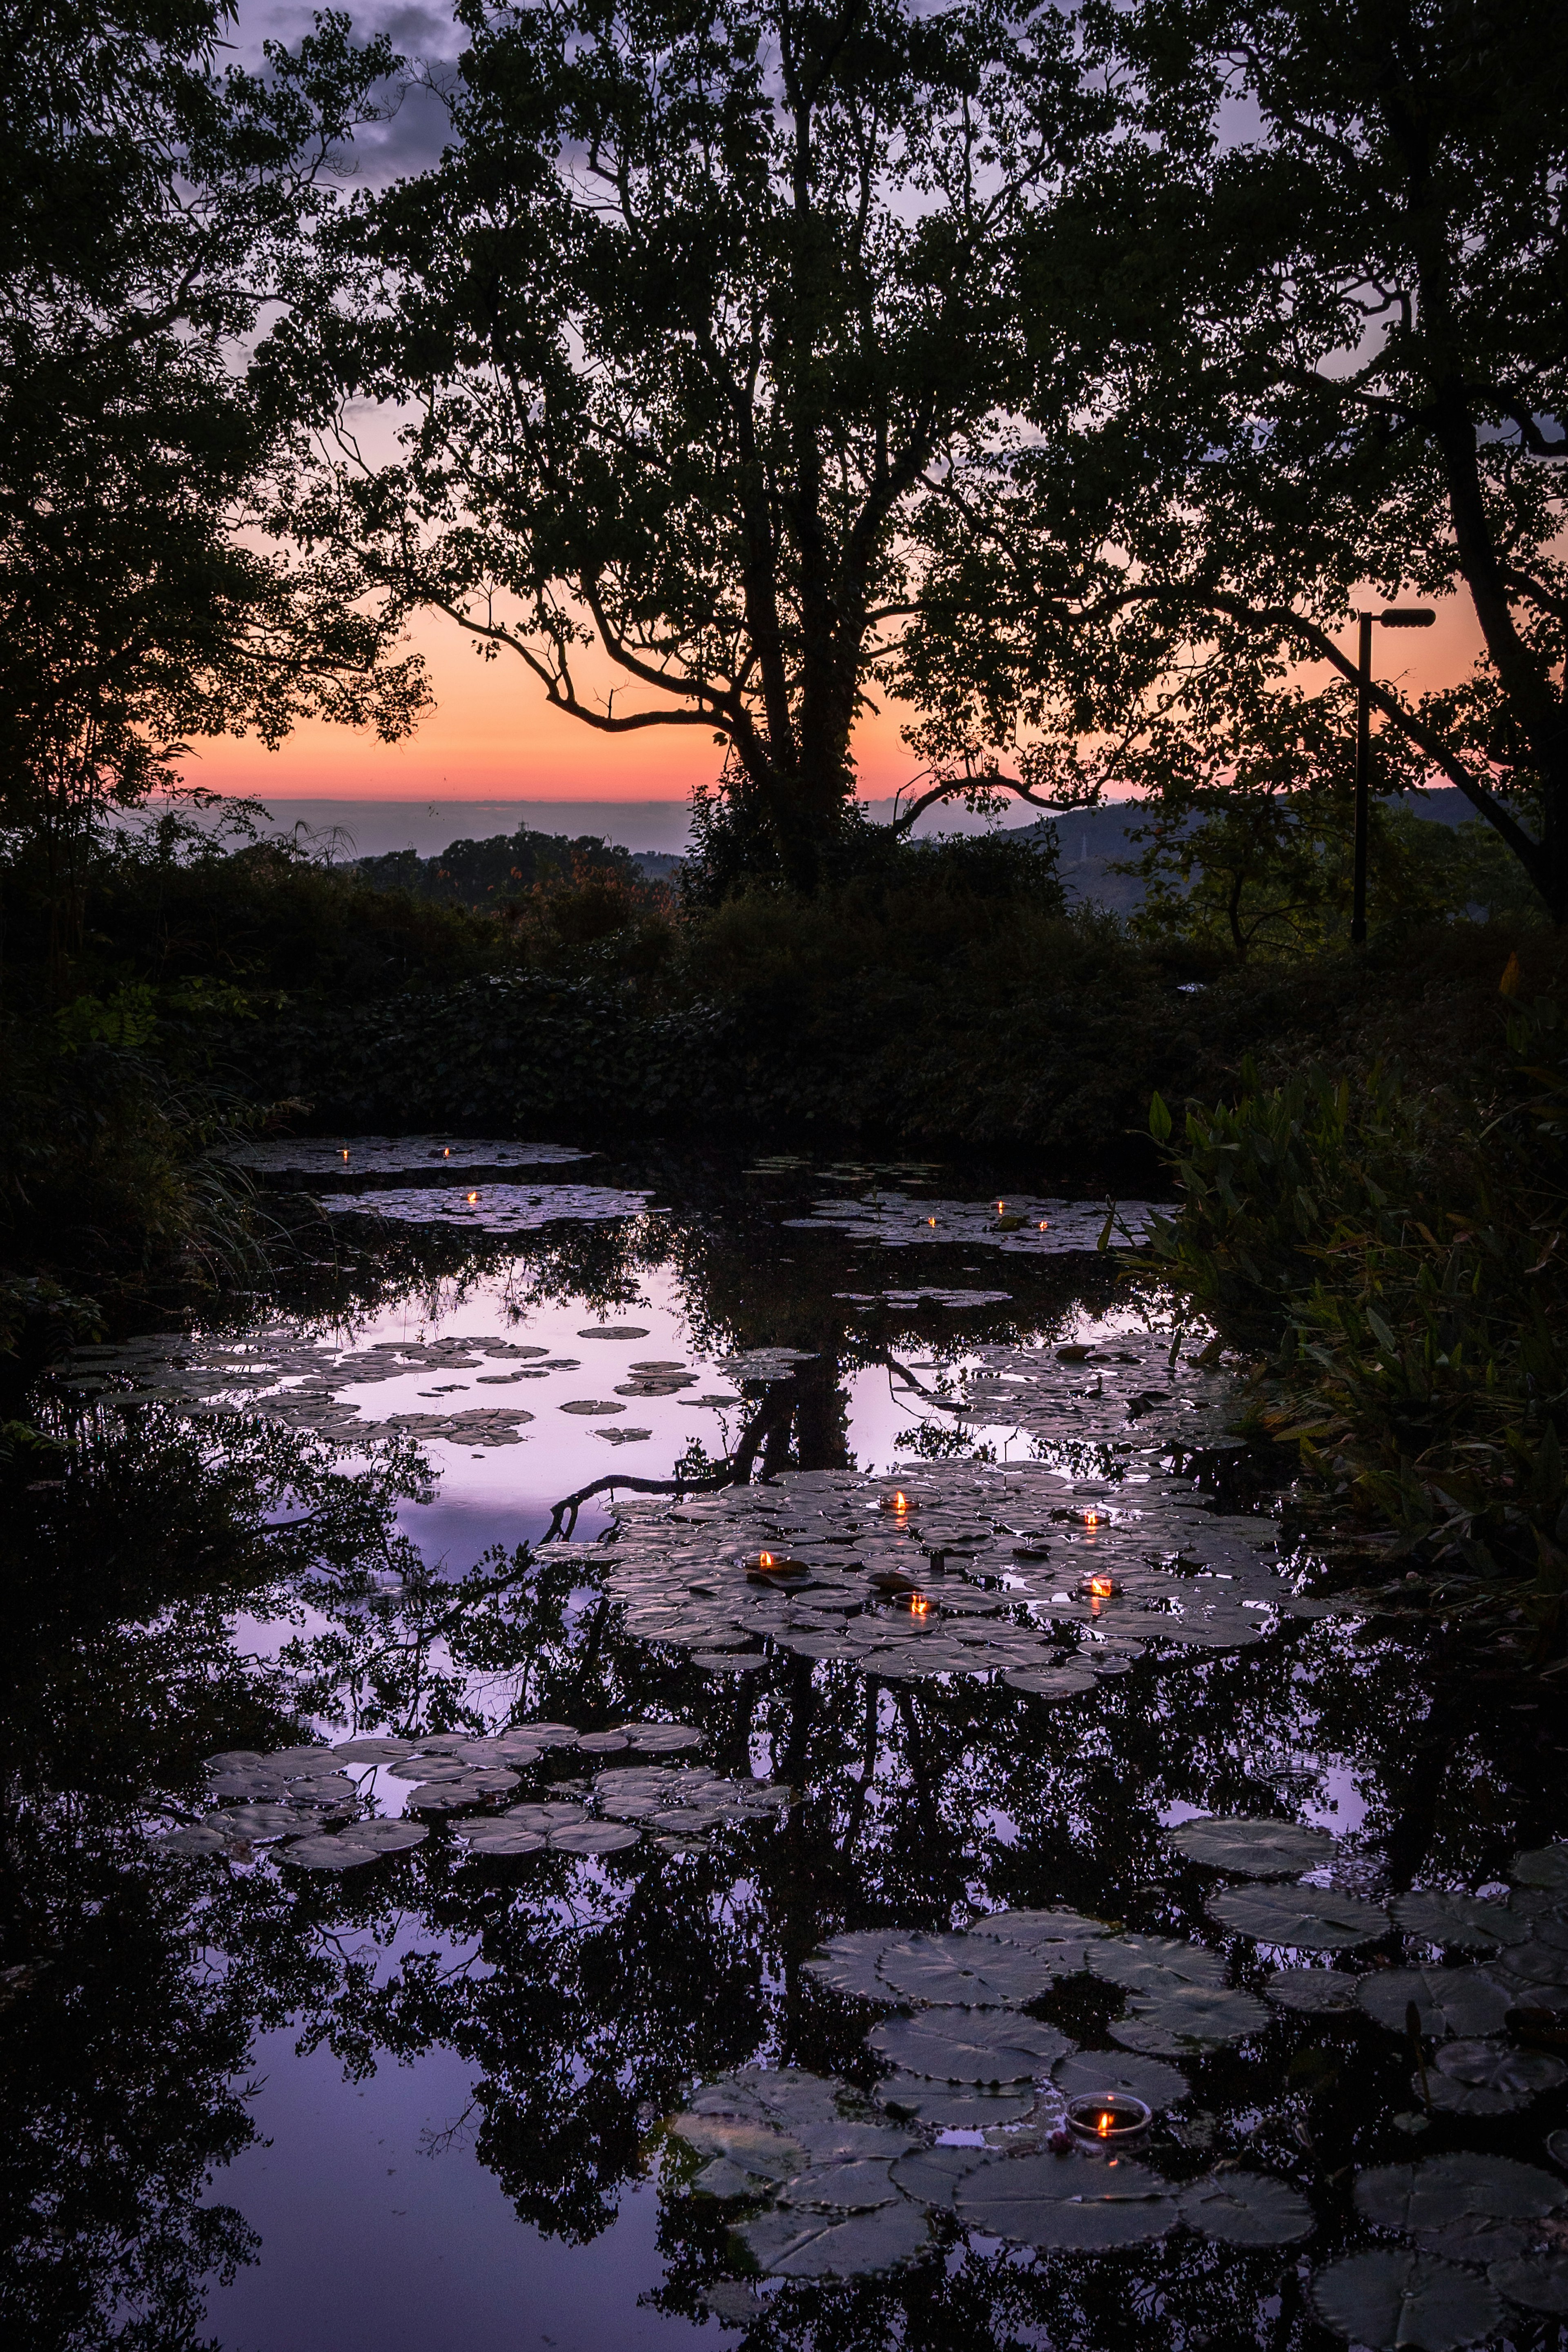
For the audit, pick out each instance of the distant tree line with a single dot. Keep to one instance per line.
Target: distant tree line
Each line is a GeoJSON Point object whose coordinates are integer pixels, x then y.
{"type": "Point", "coordinates": [486, 874]}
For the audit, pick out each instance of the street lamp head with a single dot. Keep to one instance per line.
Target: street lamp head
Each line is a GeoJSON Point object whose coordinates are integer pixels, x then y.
{"type": "Point", "coordinates": [1408, 616]}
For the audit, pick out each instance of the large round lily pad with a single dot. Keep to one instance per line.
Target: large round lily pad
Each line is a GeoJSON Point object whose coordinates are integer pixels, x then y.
{"type": "Point", "coordinates": [1246, 2208]}
{"type": "Point", "coordinates": [1545, 1865]}
{"type": "Point", "coordinates": [326, 1854]}
{"type": "Point", "coordinates": [1088, 2073]}
{"type": "Point", "coordinates": [1153, 1963]}
{"type": "Point", "coordinates": [858, 2185]}
{"type": "Point", "coordinates": [1302, 1918]}
{"type": "Point", "coordinates": [930, 2175]}
{"type": "Point", "coordinates": [756, 2148]}
{"type": "Point", "coordinates": [1034, 1928]}
{"type": "Point", "coordinates": [1535, 2282]}
{"type": "Point", "coordinates": [1393, 2301]}
{"type": "Point", "coordinates": [954, 2107]}
{"type": "Point", "coordinates": [1067, 2203]}
{"type": "Point", "coordinates": [1314, 1992]}
{"type": "Point", "coordinates": [976, 2047]}
{"type": "Point", "coordinates": [1461, 2002]}
{"type": "Point", "coordinates": [961, 1971]}
{"type": "Point", "coordinates": [373, 1751]}
{"type": "Point", "coordinates": [1253, 1849]}
{"type": "Point", "coordinates": [1445, 2189]}
{"type": "Point", "coordinates": [1189, 2020]}
{"type": "Point", "coordinates": [1047, 1682]}
{"type": "Point", "coordinates": [1436, 1916]}
{"type": "Point", "coordinates": [789, 2244]}
{"type": "Point", "coordinates": [387, 1837]}
{"type": "Point", "coordinates": [1490, 2078]}
{"type": "Point", "coordinates": [502, 1839]}
{"type": "Point", "coordinates": [847, 1964]}
{"type": "Point", "coordinates": [593, 1837]}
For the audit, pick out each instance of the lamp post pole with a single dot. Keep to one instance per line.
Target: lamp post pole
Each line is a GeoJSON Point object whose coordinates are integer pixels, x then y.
{"type": "Point", "coordinates": [1406, 616]}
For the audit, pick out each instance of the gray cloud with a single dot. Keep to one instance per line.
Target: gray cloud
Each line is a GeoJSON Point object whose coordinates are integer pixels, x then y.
{"type": "Point", "coordinates": [416, 131]}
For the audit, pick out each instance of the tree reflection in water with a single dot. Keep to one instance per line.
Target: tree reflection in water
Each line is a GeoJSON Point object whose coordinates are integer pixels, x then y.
{"type": "Point", "coordinates": [182, 1592]}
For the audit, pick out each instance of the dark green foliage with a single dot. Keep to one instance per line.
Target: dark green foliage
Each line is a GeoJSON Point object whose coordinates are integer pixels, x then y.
{"type": "Point", "coordinates": [1395, 1249]}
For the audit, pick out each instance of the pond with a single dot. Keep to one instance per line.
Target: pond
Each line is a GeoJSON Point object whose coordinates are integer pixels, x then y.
{"type": "Point", "coordinates": [677, 1749]}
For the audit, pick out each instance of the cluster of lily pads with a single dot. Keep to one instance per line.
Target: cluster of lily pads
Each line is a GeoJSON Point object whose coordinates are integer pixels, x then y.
{"type": "Point", "coordinates": [969, 2129]}
{"type": "Point", "coordinates": [491, 1208]}
{"type": "Point", "coordinates": [1025, 1226]}
{"type": "Point", "coordinates": [973, 1569]}
{"type": "Point", "coordinates": [396, 1155]}
{"type": "Point", "coordinates": [924, 1297]}
{"type": "Point", "coordinates": [305, 1802]}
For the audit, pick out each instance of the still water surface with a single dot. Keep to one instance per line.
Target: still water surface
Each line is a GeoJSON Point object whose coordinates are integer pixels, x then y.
{"type": "Point", "coordinates": [420, 2104]}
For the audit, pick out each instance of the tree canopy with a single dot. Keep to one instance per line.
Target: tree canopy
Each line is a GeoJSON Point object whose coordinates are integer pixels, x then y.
{"type": "Point", "coordinates": [157, 217]}
{"type": "Point", "coordinates": [1321, 306]}
{"type": "Point", "coordinates": [700, 313]}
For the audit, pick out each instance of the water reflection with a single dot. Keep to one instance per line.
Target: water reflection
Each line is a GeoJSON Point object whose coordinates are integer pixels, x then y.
{"type": "Point", "coordinates": [193, 1586]}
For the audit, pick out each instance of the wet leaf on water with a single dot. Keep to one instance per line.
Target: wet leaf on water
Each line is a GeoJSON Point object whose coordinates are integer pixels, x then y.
{"type": "Point", "coordinates": [593, 1837]}
{"type": "Point", "coordinates": [1155, 1963]}
{"type": "Point", "coordinates": [755, 2148]}
{"type": "Point", "coordinates": [1246, 2208]}
{"type": "Point", "coordinates": [261, 1824]}
{"type": "Point", "coordinates": [1302, 1918]}
{"type": "Point", "coordinates": [789, 2096]}
{"type": "Point", "coordinates": [724, 2179]}
{"type": "Point", "coordinates": [1388, 2300]}
{"type": "Point", "coordinates": [1491, 2078]}
{"type": "Point", "coordinates": [1315, 1993]}
{"type": "Point", "coordinates": [1546, 1865]}
{"type": "Point", "coordinates": [952, 2106]}
{"type": "Point", "coordinates": [929, 2175]}
{"type": "Point", "coordinates": [1088, 2073]}
{"type": "Point", "coordinates": [792, 2245]}
{"type": "Point", "coordinates": [502, 1838]}
{"type": "Point", "coordinates": [1253, 1849]}
{"type": "Point", "coordinates": [592, 1405]}
{"type": "Point", "coordinates": [1433, 2194]}
{"type": "Point", "coordinates": [614, 1332]}
{"type": "Point", "coordinates": [1460, 2002]}
{"type": "Point", "coordinates": [195, 1841]}
{"type": "Point", "coordinates": [1032, 1929]}
{"type": "Point", "coordinates": [1188, 2021]}
{"type": "Point", "coordinates": [388, 1837]}
{"type": "Point", "coordinates": [660, 1739]}
{"type": "Point", "coordinates": [450, 1796]}
{"type": "Point", "coordinates": [1045, 1681]}
{"type": "Point", "coordinates": [326, 1854]}
{"type": "Point", "coordinates": [1071, 2202]}
{"type": "Point", "coordinates": [1535, 2282]}
{"type": "Point", "coordinates": [1438, 1917]}
{"type": "Point", "coordinates": [982, 2049]}
{"type": "Point", "coordinates": [857, 2186]}
{"type": "Point", "coordinates": [963, 1971]}
{"type": "Point", "coordinates": [603, 1743]}
{"type": "Point", "coordinates": [557, 1814]}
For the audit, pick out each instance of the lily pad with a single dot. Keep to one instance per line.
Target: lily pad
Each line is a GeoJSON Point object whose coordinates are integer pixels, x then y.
{"type": "Point", "coordinates": [961, 1971]}
{"type": "Point", "coordinates": [555, 1815]}
{"type": "Point", "coordinates": [755, 2148]}
{"type": "Point", "coordinates": [929, 2175]}
{"type": "Point", "coordinates": [1443, 2190]}
{"type": "Point", "coordinates": [1546, 1865]}
{"type": "Point", "coordinates": [502, 1838]}
{"type": "Point", "coordinates": [1068, 2202]}
{"type": "Point", "coordinates": [326, 1854]}
{"type": "Point", "coordinates": [856, 2187]}
{"type": "Point", "coordinates": [1032, 1929]}
{"type": "Point", "coordinates": [1246, 2208]}
{"type": "Point", "coordinates": [1438, 1917]}
{"type": "Point", "coordinates": [1188, 2021]}
{"type": "Point", "coordinates": [1302, 1918]}
{"type": "Point", "coordinates": [1535, 2282]}
{"type": "Point", "coordinates": [1003, 2048]}
{"type": "Point", "coordinates": [954, 2107]}
{"type": "Point", "coordinates": [1086, 2073]}
{"type": "Point", "coordinates": [1461, 2002]}
{"type": "Point", "coordinates": [1155, 1963]}
{"type": "Point", "coordinates": [196, 1841]}
{"type": "Point", "coordinates": [789, 2244]}
{"type": "Point", "coordinates": [593, 1837]}
{"type": "Point", "coordinates": [1389, 2299]}
{"type": "Point", "coordinates": [1496, 2066]}
{"type": "Point", "coordinates": [1045, 1682]}
{"type": "Point", "coordinates": [1314, 1992]}
{"type": "Point", "coordinates": [660, 1739]}
{"type": "Point", "coordinates": [1253, 1849]}
{"type": "Point", "coordinates": [373, 1751]}
{"type": "Point", "coordinates": [387, 1837]}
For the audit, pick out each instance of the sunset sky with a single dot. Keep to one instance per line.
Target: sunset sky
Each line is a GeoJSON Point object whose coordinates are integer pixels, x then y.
{"type": "Point", "coordinates": [490, 734]}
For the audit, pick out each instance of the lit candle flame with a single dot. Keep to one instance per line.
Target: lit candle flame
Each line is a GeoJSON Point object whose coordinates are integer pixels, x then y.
{"type": "Point", "coordinates": [1001, 1208]}
{"type": "Point", "coordinates": [472, 1198]}
{"type": "Point", "coordinates": [447, 1154]}
{"type": "Point", "coordinates": [1105, 2123]}
{"type": "Point", "coordinates": [345, 1155]}
{"type": "Point", "coordinates": [1045, 1224]}
{"type": "Point", "coordinates": [930, 1220]}
{"type": "Point", "coordinates": [1090, 1518]}
{"type": "Point", "coordinates": [919, 1605]}
{"type": "Point", "coordinates": [1101, 1585]}
{"type": "Point", "coordinates": [764, 1560]}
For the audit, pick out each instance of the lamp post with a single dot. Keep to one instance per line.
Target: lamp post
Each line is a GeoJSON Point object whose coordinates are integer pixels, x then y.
{"type": "Point", "coordinates": [1398, 617]}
